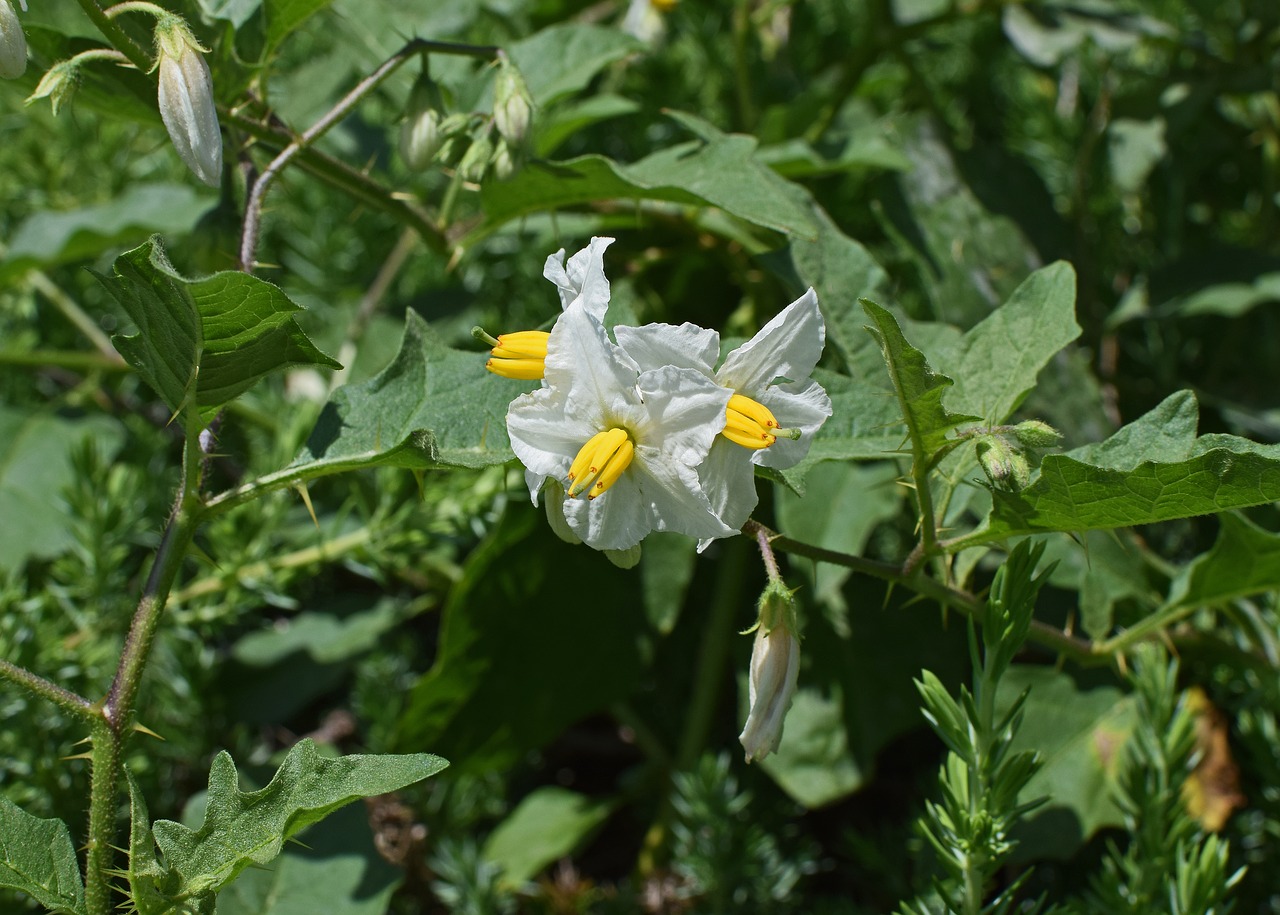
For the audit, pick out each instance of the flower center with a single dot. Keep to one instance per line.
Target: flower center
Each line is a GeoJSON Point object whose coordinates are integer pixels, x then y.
{"type": "Point", "coordinates": [600, 463]}
{"type": "Point", "coordinates": [749, 423]}
{"type": "Point", "coordinates": [519, 355]}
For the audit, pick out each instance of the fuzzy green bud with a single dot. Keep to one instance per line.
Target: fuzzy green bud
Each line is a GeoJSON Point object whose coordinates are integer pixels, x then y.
{"type": "Point", "coordinates": [503, 162]}
{"type": "Point", "coordinates": [57, 85]}
{"type": "Point", "coordinates": [775, 671]}
{"type": "Point", "coordinates": [1035, 434]}
{"type": "Point", "coordinates": [512, 103]}
{"type": "Point", "coordinates": [422, 135]}
{"type": "Point", "coordinates": [1006, 467]}
{"type": "Point", "coordinates": [186, 99]}
{"type": "Point", "coordinates": [13, 43]}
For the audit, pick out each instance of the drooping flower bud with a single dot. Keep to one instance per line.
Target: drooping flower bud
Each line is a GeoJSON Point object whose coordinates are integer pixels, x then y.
{"type": "Point", "coordinates": [775, 670]}
{"type": "Point", "coordinates": [1006, 467]}
{"type": "Point", "coordinates": [503, 162]}
{"type": "Point", "coordinates": [57, 85]}
{"type": "Point", "coordinates": [13, 43]}
{"type": "Point", "coordinates": [186, 100]}
{"type": "Point", "coordinates": [512, 103]}
{"type": "Point", "coordinates": [422, 135]}
{"type": "Point", "coordinates": [475, 161]}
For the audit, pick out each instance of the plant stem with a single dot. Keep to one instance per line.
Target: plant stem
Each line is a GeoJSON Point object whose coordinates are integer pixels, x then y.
{"type": "Point", "coordinates": [77, 361]}
{"type": "Point", "coordinates": [63, 698]}
{"type": "Point", "coordinates": [117, 709]}
{"type": "Point", "coordinates": [117, 36]}
{"type": "Point", "coordinates": [1079, 650]}
{"type": "Point", "coordinates": [258, 191]}
{"type": "Point", "coordinates": [75, 314]}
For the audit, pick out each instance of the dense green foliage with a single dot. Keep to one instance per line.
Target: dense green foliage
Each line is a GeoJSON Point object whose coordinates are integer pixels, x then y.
{"type": "Point", "coordinates": [1039, 671]}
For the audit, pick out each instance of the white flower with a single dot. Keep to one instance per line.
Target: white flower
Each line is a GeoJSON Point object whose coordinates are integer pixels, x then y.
{"type": "Point", "coordinates": [778, 407]}
{"type": "Point", "coordinates": [186, 101]}
{"type": "Point", "coordinates": [775, 670]}
{"type": "Point", "coordinates": [13, 43]}
{"type": "Point", "coordinates": [644, 21]}
{"type": "Point", "coordinates": [617, 447]}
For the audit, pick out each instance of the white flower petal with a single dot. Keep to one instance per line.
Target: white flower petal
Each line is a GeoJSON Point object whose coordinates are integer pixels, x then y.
{"type": "Point", "coordinates": [775, 670]}
{"type": "Point", "coordinates": [685, 412]}
{"type": "Point", "coordinates": [787, 347]}
{"type": "Point", "coordinates": [544, 435]}
{"type": "Point", "coordinates": [617, 519]}
{"type": "Point", "coordinates": [729, 480]}
{"type": "Point", "coordinates": [587, 365]}
{"type": "Point", "coordinates": [804, 406]}
{"type": "Point", "coordinates": [685, 346]}
{"type": "Point", "coordinates": [582, 277]}
{"type": "Point", "coordinates": [675, 496]}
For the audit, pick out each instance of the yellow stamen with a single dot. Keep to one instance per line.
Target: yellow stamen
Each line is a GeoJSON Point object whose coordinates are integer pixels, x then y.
{"type": "Point", "coordinates": [665, 6]}
{"type": "Point", "coordinates": [749, 423]}
{"type": "Point", "coordinates": [600, 462]}
{"type": "Point", "coordinates": [618, 462]}
{"type": "Point", "coordinates": [519, 355]}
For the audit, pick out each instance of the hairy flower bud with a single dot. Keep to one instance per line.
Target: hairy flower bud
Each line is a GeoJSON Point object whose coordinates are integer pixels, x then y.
{"type": "Point", "coordinates": [186, 100]}
{"type": "Point", "coordinates": [1006, 467]}
{"type": "Point", "coordinates": [422, 134]}
{"type": "Point", "coordinates": [475, 161]}
{"type": "Point", "coordinates": [13, 43]}
{"type": "Point", "coordinates": [775, 670]}
{"type": "Point", "coordinates": [512, 104]}
{"type": "Point", "coordinates": [1035, 434]}
{"type": "Point", "coordinates": [57, 85]}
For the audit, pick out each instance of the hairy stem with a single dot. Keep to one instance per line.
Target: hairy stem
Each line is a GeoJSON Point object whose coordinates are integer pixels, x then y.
{"type": "Point", "coordinates": [117, 36]}
{"type": "Point", "coordinates": [258, 191]}
{"type": "Point", "coordinates": [63, 698]}
{"type": "Point", "coordinates": [104, 780]}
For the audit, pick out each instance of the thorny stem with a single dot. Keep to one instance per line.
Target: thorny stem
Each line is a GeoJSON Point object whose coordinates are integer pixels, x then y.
{"type": "Point", "coordinates": [257, 193]}
{"type": "Point", "coordinates": [1079, 650]}
{"type": "Point", "coordinates": [118, 708]}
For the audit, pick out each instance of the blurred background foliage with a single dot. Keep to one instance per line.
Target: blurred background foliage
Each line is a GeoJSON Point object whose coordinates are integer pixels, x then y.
{"type": "Point", "coordinates": [961, 143]}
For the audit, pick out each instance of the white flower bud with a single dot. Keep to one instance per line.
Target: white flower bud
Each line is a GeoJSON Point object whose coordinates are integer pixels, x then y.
{"type": "Point", "coordinates": [186, 101]}
{"type": "Point", "coordinates": [13, 43]}
{"type": "Point", "coordinates": [512, 104]}
{"type": "Point", "coordinates": [775, 669]}
{"type": "Point", "coordinates": [422, 134]}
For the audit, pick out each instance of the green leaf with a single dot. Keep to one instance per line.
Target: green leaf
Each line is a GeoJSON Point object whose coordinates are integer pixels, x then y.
{"type": "Point", "coordinates": [536, 635]}
{"type": "Point", "coordinates": [549, 824]}
{"type": "Point", "coordinates": [563, 59]}
{"type": "Point", "coordinates": [562, 122]}
{"type": "Point", "coordinates": [204, 341]}
{"type": "Point", "coordinates": [37, 857]}
{"type": "Point", "coordinates": [666, 568]}
{"type": "Point", "coordinates": [1080, 734]}
{"type": "Point", "coordinates": [1154, 469]}
{"type": "Point", "coordinates": [326, 637]}
{"type": "Point", "coordinates": [1134, 149]}
{"type": "Point", "coordinates": [997, 361]}
{"type": "Point", "coordinates": [722, 171]}
{"type": "Point", "coordinates": [813, 764]}
{"type": "Point", "coordinates": [431, 407]}
{"type": "Point", "coordinates": [242, 828]}
{"type": "Point", "coordinates": [284, 16]}
{"type": "Point", "coordinates": [918, 387]}
{"type": "Point", "coordinates": [50, 237]}
{"type": "Point", "coordinates": [336, 870]}
{"type": "Point", "coordinates": [1245, 559]}
{"type": "Point", "coordinates": [35, 466]}
{"type": "Point", "coordinates": [145, 873]}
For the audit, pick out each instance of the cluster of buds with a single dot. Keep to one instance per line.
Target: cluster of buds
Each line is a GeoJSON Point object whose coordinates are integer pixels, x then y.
{"type": "Point", "coordinates": [775, 670]}
{"type": "Point", "coordinates": [1003, 452]}
{"type": "Point", "coordinates": [13, 43]}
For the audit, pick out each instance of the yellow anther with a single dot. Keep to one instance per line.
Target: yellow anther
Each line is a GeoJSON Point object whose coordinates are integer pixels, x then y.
{"type": "Point", "coordinates": [617, 463]}
{"type": "Point", "coordinates": [749, 423]}
{"type": "Point", "coordinates": [751, 408]}
{"type": "Point", "coordinates": [519, 355]}
{"type": "Point", "coordinates": [605, 455]}
{"type": "Point", "coordinates": [665, 6]}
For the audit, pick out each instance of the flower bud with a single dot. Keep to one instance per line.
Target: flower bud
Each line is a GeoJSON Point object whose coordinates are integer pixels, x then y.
{"type": "Point", "coordinates": [1035, 434]}
{"type": "Point", "coordinates": [512, 104]}
{"type": "Point", "coordinates": [775, 669]}
{"type": "Point", "coordinates": [503, 162]}
{"type": "Point", "coordinates": [186, 100]}
{"type": "Point", "coordinates": [422, 135]}
{"type": "Point", "coordinates": [57, 85]}
{"type": "Point", "coordinates": [1004, 466]}
{"type": "Point", "coordinates": [475, 161]}
{"type": "Point", "coordinates": [13, 43]}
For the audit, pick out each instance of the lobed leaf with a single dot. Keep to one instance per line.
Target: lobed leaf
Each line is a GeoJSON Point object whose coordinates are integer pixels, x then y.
{"type": "Point", "coordinates": [245, 828]}
{"type": "Point", "coordinates": [431, 407]}
{"type": "Point", "coordinates": [37, 857]}
{"type": "Point", "coordinates": [204, 342]}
